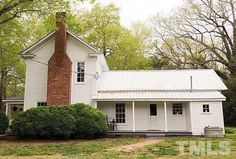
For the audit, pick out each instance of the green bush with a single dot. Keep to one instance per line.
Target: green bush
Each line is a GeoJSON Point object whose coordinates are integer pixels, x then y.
{"type": "Point", "coordinates": [3, 122]}
{"type": "Point", "coordinates": [45, 122]}
{"type": "Point", "coordinates": [90, 122]}
{"type": "Point", "coordinates": [229, 130]}
{"type": "Point", "coordinates": [78, 120]}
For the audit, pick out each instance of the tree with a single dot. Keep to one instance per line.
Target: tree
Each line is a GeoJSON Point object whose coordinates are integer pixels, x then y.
{"type": "Point", "coordinates": [99, 24]}
{"type": "Point", "coordinates": [121, 47]}
{"type": "Point", "coordinates": [12, 67]}
{"type": "Point", "coordinates": [207, 26]}
{"type": "Point", "coordinates": [11, 9]}
{"type": "Point", "coordinates": [230, 103]}
{"type": "Point", "coordinates": [128, 53]}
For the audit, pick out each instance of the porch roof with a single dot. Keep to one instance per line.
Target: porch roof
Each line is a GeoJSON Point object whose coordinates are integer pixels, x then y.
{"type": "Point", "coordinates": [160, 96]}
{"type": "Point", "coordinates": [14, 99]}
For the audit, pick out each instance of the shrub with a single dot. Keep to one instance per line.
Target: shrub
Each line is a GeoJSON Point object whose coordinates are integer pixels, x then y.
{"type": "Point", "coordinates": [90, 122]}
{"type": "Point", "coordinates": [3, 122]}
{"type": "Point", "coordinates": [78, 120]}
{"type": "Point", "coordinates": [44, 122]}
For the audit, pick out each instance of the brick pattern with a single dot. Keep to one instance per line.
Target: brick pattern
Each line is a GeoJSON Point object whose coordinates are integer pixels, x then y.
{"type": "Point", "coordinates": [59, 70]}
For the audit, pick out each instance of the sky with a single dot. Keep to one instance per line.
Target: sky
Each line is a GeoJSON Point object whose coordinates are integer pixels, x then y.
{"type": "Point", "coordinates": [141, 10]}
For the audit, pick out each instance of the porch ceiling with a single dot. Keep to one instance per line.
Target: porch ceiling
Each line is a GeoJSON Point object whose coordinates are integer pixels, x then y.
{"type": "Point", "coordinates": [159, 96]}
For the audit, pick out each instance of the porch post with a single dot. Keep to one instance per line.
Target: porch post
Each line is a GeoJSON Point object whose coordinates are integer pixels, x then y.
{"type": "Point", "coordinates": [133, 116]}
{"type": "Point", "coordinates": [165, 111]}
{"type": "Point", "coordinates": [7, 108]}
{"type": "Point", "coordinates": [95, 104]}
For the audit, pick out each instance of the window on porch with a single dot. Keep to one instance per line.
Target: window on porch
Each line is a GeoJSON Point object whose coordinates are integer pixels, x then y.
{"type": "Point", "coordinates": [120, 113]}
{"type": "Point", "coordinates": [177, 108]}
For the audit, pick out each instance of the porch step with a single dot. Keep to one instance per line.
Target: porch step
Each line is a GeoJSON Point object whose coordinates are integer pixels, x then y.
{"type": "Point", "coordinates": [156, 135]}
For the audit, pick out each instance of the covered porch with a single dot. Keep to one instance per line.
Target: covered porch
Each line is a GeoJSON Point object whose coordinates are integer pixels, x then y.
{"type": "Point", "coordinates": [13, 105]}
{"type": "Point", "coordinates": [157, 118]}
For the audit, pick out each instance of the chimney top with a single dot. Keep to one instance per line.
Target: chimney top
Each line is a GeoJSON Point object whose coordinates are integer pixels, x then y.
{"type": "Point", "coordinates": [61, 17]}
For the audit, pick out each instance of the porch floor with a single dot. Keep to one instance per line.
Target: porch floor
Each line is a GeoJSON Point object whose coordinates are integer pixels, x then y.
{"type": "Point", "coordinates": [149, 133]}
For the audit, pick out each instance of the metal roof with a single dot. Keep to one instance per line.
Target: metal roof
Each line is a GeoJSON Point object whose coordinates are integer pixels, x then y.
{"type": "Point", "coordinates": [160, 96]}
{"type": "Point", "coordinates": [160, 80]}
{"type": "Point", "coordinates": [17, 98]}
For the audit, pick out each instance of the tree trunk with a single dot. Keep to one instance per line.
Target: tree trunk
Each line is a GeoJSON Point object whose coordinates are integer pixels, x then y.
{"type": "Point", "coordinates": [232, 70]}
{"type": "Point", "coordinates": [3, 83]}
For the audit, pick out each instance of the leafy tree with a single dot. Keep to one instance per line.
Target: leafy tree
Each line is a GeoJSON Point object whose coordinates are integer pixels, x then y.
{"type": "Point", "coordinates": [128, 53]}
{"type": "Point", "coordinates": [121, 47]}
{"type": "Point", "coordinates": [11, 9]}
{"type": "Point", "coordinates": [99, 23]}
{"type": "Point", "coordinates": [12, 67]}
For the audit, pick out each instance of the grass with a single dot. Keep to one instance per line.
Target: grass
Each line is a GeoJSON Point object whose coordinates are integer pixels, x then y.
{"type": "Point", "coordinates": [73, 149]}
{"type": "Point", "coordinates": [98, 149]}
{"type": "Point", "coordinates": [169, 148]}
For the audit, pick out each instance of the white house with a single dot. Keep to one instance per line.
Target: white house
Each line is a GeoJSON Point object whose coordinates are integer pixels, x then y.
{"type": "Point", "coordinates": [63, 69]}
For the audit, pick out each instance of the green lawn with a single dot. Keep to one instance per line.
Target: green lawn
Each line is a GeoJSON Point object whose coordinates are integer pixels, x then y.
{"type": "Point", "coordinates": [167, 148]}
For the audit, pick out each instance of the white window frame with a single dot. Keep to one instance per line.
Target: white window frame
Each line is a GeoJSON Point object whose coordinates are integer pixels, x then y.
{"type": "Point", "coordinates": [77, 73]}
{"type": "Point", "coordinates": [178, 107]}
{"type": "Point", "coordinates": [120, 120]}
{"type": "Point", "coordinates": [206, 108]}
{"type": "Point", "coordinates": [41, 104]}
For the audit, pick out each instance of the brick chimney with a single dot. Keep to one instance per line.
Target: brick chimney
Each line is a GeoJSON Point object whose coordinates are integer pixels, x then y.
{"type": "Point", "coordinates": [59, 67]}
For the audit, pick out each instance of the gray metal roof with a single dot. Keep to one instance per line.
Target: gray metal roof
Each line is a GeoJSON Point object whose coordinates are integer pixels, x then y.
{"type": "Point", "coordinates": [16, 98]}
{"type": "Point", "coordinates": [160, 96]}
{"type": "Point", "coordinates": [161, 80]}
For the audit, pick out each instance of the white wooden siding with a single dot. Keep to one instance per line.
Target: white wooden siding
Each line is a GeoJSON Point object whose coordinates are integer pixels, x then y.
{"type": "Point", "coordinates": [81, 92]}
{"type": "Point", "coordinates": [109, 108]}
{"type": "Point", "coordinates": [200, 120]}
{"type": "Point", "coordinates": [176, 122]}
{"type": "Point", "coordinates": [37, 74]}
{"type": "Point", "coordinates": [142, 116]}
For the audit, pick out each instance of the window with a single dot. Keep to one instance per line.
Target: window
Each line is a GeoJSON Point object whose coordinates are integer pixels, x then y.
{"type": "Point", "coordinates": [205, 108]}
{"type": "Point", "coordinates": [120, 113]}
{"type": "Point", "coordinates": [39, 104]}
{"type": "Point", "coordinates": [153, 109]}
{"type": "Point", "coordinates": [177, 108]}
{"type": "Point", "coordinates": [80, 71]}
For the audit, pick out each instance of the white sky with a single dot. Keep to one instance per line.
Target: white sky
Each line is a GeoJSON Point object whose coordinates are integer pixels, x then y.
{"type": "Point", "coordinates": [140, 10]}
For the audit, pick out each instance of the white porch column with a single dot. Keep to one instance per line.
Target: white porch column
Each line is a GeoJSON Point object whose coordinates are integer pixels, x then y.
{"type": "Point", "coordinates": [165, 111]}
{"type": "Point", "coordinates": [7, 106]}
{"type": "Point", "coordinates": [133, 116]}
{"type": "Point", "coordinates": [95, 104]}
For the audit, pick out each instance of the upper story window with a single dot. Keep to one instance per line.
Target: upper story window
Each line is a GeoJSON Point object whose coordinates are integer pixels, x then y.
{"type": "Point", "coordinates": [205, 108]}
{"type": "Point", "coordinates": [80, 71]}
{"type": "Point", "coordinates": [39, 104]}
{"type": "Point", "coordinates": [177, 108]}
{"type": "Point", "coordinates": [120, 113]}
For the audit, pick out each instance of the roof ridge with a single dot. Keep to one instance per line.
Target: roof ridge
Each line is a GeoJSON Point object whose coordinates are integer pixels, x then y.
{"type": "Point", "coordinates": [160, 70]}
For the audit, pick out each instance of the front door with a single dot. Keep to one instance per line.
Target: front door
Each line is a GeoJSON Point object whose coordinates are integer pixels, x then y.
{"type": "Point", "coordinates": [153, 117]}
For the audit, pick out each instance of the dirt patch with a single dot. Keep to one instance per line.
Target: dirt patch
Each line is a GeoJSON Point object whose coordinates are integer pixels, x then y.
{"type": "Point", "coordinates": [136, 146]}
{"type": "Point", "coordinates": [54, 156]}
